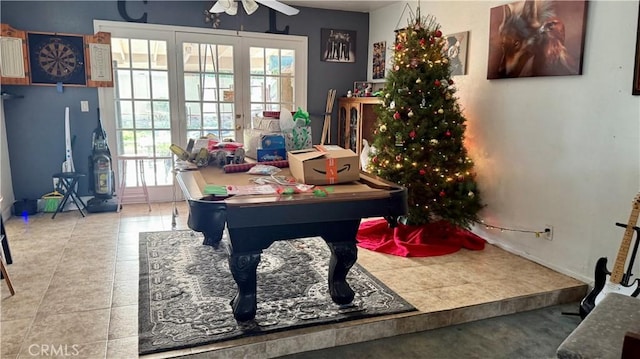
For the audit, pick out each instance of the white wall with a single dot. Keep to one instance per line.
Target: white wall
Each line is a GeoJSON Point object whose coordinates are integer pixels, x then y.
{"type": "Point", "coordinates": [561, 151]}
{"type": "Point", "coordinates": [6, 186]}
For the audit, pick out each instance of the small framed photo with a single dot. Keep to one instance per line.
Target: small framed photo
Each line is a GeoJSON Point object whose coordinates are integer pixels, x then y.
{"type": "Point", "coordinates": [455, 48]}
{"type": "Point", "coordinates": [362, 88]}
{"type": "Point", "coordinates": [379, 58]}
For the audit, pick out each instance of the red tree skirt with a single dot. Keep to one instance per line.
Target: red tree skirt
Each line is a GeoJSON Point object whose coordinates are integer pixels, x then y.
{"type": "Point", "coordinates": [433, 239]}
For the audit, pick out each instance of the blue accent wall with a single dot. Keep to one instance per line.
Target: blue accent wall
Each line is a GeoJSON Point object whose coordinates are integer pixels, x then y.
{"type": "Point", "coordinates": [35, 123]}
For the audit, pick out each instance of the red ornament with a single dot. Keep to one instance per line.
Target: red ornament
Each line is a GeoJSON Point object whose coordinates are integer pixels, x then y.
{"type": "Point", "coordinates": [412, 134]}
{"type": "Point", "coordinates": [422, 42]}
{"type": "Point", "coordinates": [438, 33]}
{"type": "Point", "coordinates": [423, 172]}
{"type": "Point", "coordinates": [437, 83]}
{"type": "Point", "coordinates": [448, 133]}
{"type": "Point", "coordinates": [396, 115]}
{"type": "Point", "coordinates": [398, 47]}
{"type": "Point", "coordinates": [375, 159]}
{"type": "Point", "coordinates": [442, 194]}
{"type": "Point", "coordinates": [450, 81]}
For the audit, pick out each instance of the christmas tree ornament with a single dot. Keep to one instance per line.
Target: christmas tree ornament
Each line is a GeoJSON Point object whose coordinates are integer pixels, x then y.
{"type": "Point", "coordinates": [448, 133]}
{"type": "Point", "coordinates": [396, 115]}
{"type": "Point", "coordinates": [383, 128]}
{"type": "Point", "coordinates": [392, 105]}
{"type": "Point", "coordinates": [422, 172]}
{"type": "Point", "coordinates": [436, 83]}
{"type": "Point", "coordinates": [410, 114]}
{"type": "Point", "coordinates": [438, 33]}
{"type": "Point", "coordinates": [471, 194]}
{"type": "Point", "coordinates": [442, 193]}
{"type": "Point", "coordinates": [398, 158]}
{"type": "Point", "coordinates": [440, 111]}
{"type": "Point", "coordinates": [399, 141]}
{"type": "Point", "coordinates": [418, 81]}
{"type": "Point", "coordinates": [412, 134]}
{"type": "Point", "coordinates": [423, 42]}
{"type": "Point", "coordinates": [433, 142]}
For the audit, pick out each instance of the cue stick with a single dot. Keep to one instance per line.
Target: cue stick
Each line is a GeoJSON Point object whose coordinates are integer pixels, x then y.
{"type": "Point", "coordinates": [326, 128]}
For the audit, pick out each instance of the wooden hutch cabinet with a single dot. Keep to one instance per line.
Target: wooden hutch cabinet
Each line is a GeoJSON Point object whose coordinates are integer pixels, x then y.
{"type": "Point", "coordinates": [356, 121]}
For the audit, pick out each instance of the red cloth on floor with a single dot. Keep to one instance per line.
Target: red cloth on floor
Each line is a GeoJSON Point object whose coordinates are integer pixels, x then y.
{"type": "Point", "coordinates": [433, 239]}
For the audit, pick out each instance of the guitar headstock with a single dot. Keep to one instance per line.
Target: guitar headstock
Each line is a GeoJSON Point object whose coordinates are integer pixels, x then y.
{"type": "Point", "coordinates": [636, 201]}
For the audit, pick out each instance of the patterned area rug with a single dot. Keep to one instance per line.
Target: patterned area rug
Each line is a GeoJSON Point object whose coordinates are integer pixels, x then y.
{"type": "Point", "coordinates": [185, 290]}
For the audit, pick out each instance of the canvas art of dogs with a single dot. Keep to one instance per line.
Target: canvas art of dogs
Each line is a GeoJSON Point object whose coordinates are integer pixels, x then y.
{"type": "Point", "coordinates": [531, 41]}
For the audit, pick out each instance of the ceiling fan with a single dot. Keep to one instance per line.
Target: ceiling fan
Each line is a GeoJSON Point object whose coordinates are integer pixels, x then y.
{"type": "Point", "coordinates": [250, 6]}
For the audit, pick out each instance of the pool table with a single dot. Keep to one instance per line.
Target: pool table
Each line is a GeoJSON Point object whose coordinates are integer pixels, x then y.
{"type": "Point", "coordinates": [254, 222]}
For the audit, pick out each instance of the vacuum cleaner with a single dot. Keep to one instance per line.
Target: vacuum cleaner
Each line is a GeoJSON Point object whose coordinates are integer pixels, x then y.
{"type": "Point", "coordinates": [101, 176]}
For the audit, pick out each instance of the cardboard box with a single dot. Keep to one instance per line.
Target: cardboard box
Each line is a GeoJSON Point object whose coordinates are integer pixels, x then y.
{"type": "Point", "coordinates": [324, 165]}
{"type": "Point", "coordinates": [272, 141]}
{"type": "Point", "coordinates": [271, 154]}
{"type": "Point", "coordinates": [255, 139]}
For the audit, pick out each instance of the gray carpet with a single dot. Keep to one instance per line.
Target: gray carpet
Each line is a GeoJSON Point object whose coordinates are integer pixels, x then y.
{"type": "Point", "coordinates": [534, 334]}
{"type": "Point", "coordinates": [185, 289]}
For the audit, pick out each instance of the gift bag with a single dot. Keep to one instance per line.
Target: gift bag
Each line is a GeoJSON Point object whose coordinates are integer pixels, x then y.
{"type": "Point", "coordinates": [299, 138]}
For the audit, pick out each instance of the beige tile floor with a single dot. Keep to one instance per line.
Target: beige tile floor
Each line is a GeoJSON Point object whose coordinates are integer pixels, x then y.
{"type": "Point", "coordinates": [76, 282]}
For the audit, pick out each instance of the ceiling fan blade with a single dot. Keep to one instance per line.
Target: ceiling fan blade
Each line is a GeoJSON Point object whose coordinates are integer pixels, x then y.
{"type": "Point", "coordinates": [228, 6]}
{"type": "Point", "coordinates": [278, 6]}
{"type": "Point", "coordinates": [250, 6]}
{"type": "Point", "coordinates": [217, 8]}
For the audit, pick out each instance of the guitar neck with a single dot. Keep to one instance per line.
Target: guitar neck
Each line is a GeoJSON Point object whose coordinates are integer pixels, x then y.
{"type": "Point", "coordinates": [618, 268]}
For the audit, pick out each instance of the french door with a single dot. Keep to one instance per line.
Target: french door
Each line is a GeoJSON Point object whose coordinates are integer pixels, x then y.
{"type": "Point", "coordinates": [173, 84]}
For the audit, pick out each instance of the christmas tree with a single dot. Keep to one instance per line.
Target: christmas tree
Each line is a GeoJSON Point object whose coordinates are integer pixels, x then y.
{"type": "Point", "coordinates": [419, 137]}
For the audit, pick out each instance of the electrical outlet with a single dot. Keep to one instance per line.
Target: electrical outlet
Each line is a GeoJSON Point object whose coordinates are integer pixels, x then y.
{"type": "Point", "coordinates": [548, 232]}
{"type": "Point", "coordinates": [84, 106]}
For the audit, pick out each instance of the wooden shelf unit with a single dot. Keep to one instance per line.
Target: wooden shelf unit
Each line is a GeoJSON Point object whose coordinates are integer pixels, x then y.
{"type": "Point", "coordinates": [356, 120]}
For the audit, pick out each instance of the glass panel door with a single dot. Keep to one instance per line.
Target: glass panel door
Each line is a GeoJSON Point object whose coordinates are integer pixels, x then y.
{"type": "Point", "coordinates": [208, 87]}
{"type": "Point", "coordinates": [142, 107]}
{"type": "Point", "coordinates": [272, 75]}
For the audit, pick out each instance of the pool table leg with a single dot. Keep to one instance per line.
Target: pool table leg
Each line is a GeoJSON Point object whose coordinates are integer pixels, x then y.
{"type": "Point", "coordinates": [208, 218]}
{"type": "Point", "coordinates": [343, 257]}
{"type": "Point", "coordinates": [243, 268]}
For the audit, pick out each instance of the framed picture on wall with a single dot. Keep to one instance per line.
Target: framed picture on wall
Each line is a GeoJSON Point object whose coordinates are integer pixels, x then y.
{"type": "Point", "coordinates": [338, 45]}
{"type": "Point", "coordinates": [537, 38]}
{"type": "Point", "coordinates": [455, 48]}
{"type": "Point", "coordinates": [379, 60]}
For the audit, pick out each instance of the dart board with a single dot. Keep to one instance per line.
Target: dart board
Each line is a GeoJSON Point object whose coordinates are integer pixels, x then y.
{"type": "Point", "coordinates": [56, 59]}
